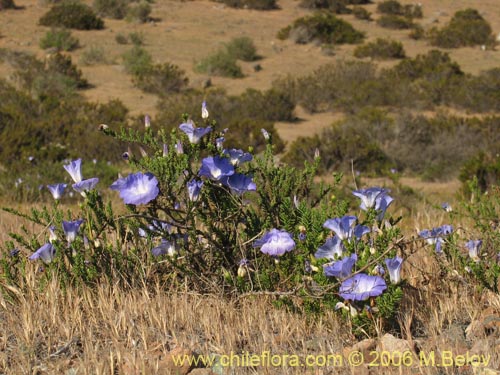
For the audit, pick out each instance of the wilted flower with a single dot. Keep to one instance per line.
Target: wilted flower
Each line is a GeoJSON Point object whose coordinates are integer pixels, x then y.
{"type": "Point", "coordinates": [341, 268]}
{"type": "Point", "coordinates": [86, 185]}
{"type": "Point", "coordinates": [74, 170]}
{"type": "Point", "coordinates": [194, 188]}
{"type": "Point", "coordinates": [296, 202]}
{"type": "Point", "coordinates": [219, 143]}
{"type": "Point", "coordinates": [236, 157]}
{"type": "Point", "coordinates": [342, 227]}
{"type": "Point", "coordinates": [71, 229]}
{"type": "Point", "coordinates": [126, 155]}
{"type": "Point", "coordinates": [275, 242]}
{"type": "Point", "coordinates": [14, 252]}
{"type": "Point", "coordinates": [368, 196]}
{"type": "Point", "coordinates": [239, 183]}
{"type": "Point", "coordinates": [52, 234]}
{"type": "Point", "coordinates": [242, 267]}
{"type": "Point", "coordinates": [378, 270]}
{"type": "Point", "coordinates": [147, 122]}
{"type": "Point", "coordinates": [178, 147]}
{"type": "Point", "coordinates": [204, 110]}
{"type": "Point", "coordinates": [361, 287]}
{"type": "Point", "coordinates": [265, 133]}
{"type": "Point", "coordinates": [165, 247]}
{"type": "Point", "coordinates": [394, 267]}
{"type": "Point", "coordinates": [446, 206]}
{"type": "Point", "coordinates": [216, 167]}
{"type": "Point", "coordinates": [57, 190]}
{"type": "Point", "coordinates": [137, 188]}
{"type": "Point", "coordinates": [332, 248]}
{"type": "Point", "coordinates": [194, 134]}
{"type": "Point", "coordinates": [474, 246]}
{"type": "Point", "coordinates": [45, 253]}
{"type": "Point", "coordinates": [165, 150]}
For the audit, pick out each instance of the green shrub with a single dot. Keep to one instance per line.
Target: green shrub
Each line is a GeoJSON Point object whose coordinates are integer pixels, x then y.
{"type": "Point", "coordinates": [361, 13]}
{"type": "Point", "coordinates": [466, 28]}
{"type": "Point", "coordinates": [139, 12]}
{"type": "Point", "coordinates": [161, 79]}
{"type": "Point", "coordinates": [242, 48]}
{"type": "Point", "coordinates": [220, 63]}
{"type": "Point", "coordinates": [116, 9]}
{"type": "Point", "coordinates": [137, 61]}
{"type": "Point", "coordinates": [121, 39]}
{"type": "Point", "coordinates": [417, 32]}
{"type": "Point", "coordinates": [393, 7]}
{"type": "Point", "coordinates": [391, 21]}
{"type": "Point", "coordinates": [93, 55]}
{"type": "Point", "coordinates": [479, 93]}
{"type": "Point", "coordinates": [484, 168]}
{"type": "Point", "coordinates": [335, 6]}
{"type": "Point", "coordinates": [323, 27]}
{"type": "Point", "coordinates": [62, 64]}
{"type": "Point", "coordinates": [72, 15]}
{"type": "Point", "coordinates": [137, 38]}
{"type": "Point", "coordinates": [7, 4]}
{"type": "Point", "coordinates": [381, 49]}
{"type": "Point", "coordinates": [251, 4]}
{"type": "Point", "coordinates": [59, 39]}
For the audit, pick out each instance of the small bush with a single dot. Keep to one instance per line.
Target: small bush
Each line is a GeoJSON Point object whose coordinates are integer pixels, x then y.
{"type": "Point", "coordinates": [361, 13]}
{"type": "Point", "coordinates": [136, 38]}
{"type": "Point", "coordinates": [121, 39]}
{"type": "Point", "coordinates": [93, 55]}
{"type": "Point", "coordinates": [391, 21]}
{"type": "Point", "coordinates": [393, 7]}
{"type": "Point", "coordinates": [242, 48]}
{"type": "Point", "coordinates": [137, 61]}
{"type": "Point", "coordinates": [381, 49]}
{"type": "Point", "coordinates": [7, 4]}
{"type": "Point", "coordinates": [484, 168]}
{"type": "Point", "coordinates": [251, 4]}
{"type": "Point", "coordinates": [220, 63]}
{"type": "Point", "coordinates": [60, 40]}
{"type": "Point", "coordinates": [161, 79]}
{"type": "Point", "coordinates": [466, 28]}
{"type": "Point", "coordinates": [139, 13]}
{"type": "Point", "coordinates": [323, 27]}
{"type": "Point", "coordinates": [72, 15]}
{"type": "Point", "coordinates": [116, 9]}
{"type": "Point", "coordinates": [417, 32]}
{"type": "Point", "coordinates": [335, 6]}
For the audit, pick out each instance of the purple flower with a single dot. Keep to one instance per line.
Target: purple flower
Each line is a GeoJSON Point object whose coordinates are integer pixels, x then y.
{"type": "Point", "coordinates": [71, 229]}
{"type": "Point", "coordinates": [474, 246]}
{"type": "Point", "coordinates": [74, 170]}
{"type": "Point", "coordinates": [57, 190]}
{"type": "Point", "coordinates": [394, 267]}
{"type": "Point", "coordinates": [137, 188]}
{"type": "Point", "coordinates": [239, 183]}
{"type": "Point", "coordinates": [84, 186]}
{"type": "Point", "coordinates": [216, 167]}
{"type": "Point", "coordinates": [446, 206]}
{"type": "Point", "coordinates": [360, 230]}
{"type": "Point", "coordinates": [178, 148]}
{"type": "Point", "coordinates": [379, 270]}
{"type": "Point", "coordinates": [332, 248]}
{"type": "Point", "coordinates": [343, 227]}
{"type": "Point", "coordinates": [236, 157]}
{"type": "Point", "coordinates": [204, 110]}
{"type": "Point", "coordinates": [166, 247]}
{"type": "Point", "coordinates": [361, 286]}
{"type": "Point", "coordinates": [194, 134]}
{"type": "Point", "coordinates": [14, 252]}
{"type": "Point", "coordinates": [194, 188]}
{"type": "Point", "coordinates": [435, 236]}
{"type": "Point", "coordinates": [275, 242]}
{"type": "Point", "coordinates": [219, 143]}
{"type": "Point", "coordinates": [45, 253]}
{"type": "Point", "coordinates": [368, 196]}
{"type": "Point", "coordinates": [341, 268]}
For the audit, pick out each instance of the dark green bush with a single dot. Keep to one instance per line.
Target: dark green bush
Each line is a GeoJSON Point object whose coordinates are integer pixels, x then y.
{"type": "Point", "coordinates": [59, 39]}
{"type": "Point", "coordinates": [220, 63]}
{"type": "Point", "coordinates": [361, 13]}
{"type": "Point", "coordinates": [391, 21]}
{"type": "Point", "coordinates": [335, 6]}
{"type": "Point", "coordinates": [72, 15]}
{"type": "Point", "coordinates": [466, 28]}
{"type": "Point", "coordinates": [139, 13]}
{"type": "Point", "coordinates": [242, 48]}
{"type": "Point", "coordinates": [393, 7]}
{"type": "Point", "coordinates": [116, 9]}
{"type": "Point", "coordinates": [251, 4]}
{"type": "Point", "coordinates": [121, 39]}
{"type": "Point", "coordinates": [479, 93]}
{"type": "Point", "coordinates": [137, 38]}
{"type": "Point", "coordinates": [161, 79]}
{"type": "Point", "coordinates": [137, 61]}
{"type": "Point", "coordinates": [7, 4]}
{"type": "Point", "coordinates": [323, 27]}
{"type": "Point", "coordinates": [381, 49]}
{"type": "Point", "coordinates": [485, 168]}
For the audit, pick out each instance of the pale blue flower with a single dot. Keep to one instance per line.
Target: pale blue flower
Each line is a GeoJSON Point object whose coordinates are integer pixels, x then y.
{"type": "Point", "coordinates": [332, 249]}
{"type": "Point", "coordinates": [446, 206]}
{"type": "Point", "coordinates": [57, 190]}
{"type": "Point", "coordinates": [394, 266]}
{"type": "Point", "coordinates": [216, 167]}
{"type": "Point", "coordinates": [194, 134]}
{"type": "Point", "coordinates": [71, 229]}
{"type": "Point", "coordinates": [474, 246]}
{"type": "Point", "coordinates": [46, 253]}
{"type": "Point", "coordinates": [178, 148]}
{"type": "Point", "coordinates": [342, 227]}
{"type": "Point", "coordinates": [382, 202]}
{"type": "Point", "coordinates": [204, 110]}
{"type": "Point", "coordinates": [368, 196]}
{"type": "Point", "coordinates": [361, 287]}
{"type": "Point", "coordinates": [165, 248]}
{"type": "Point", "coordinates": [239, 183]}
{"type": "Point", "coordinates": [85, 186]}
{"type": "Point", "coordinates": [137, 188]}
{"type": "Point", "coordinates": [275, 242]}
{"type": "Point", "coordinates": [194, 188]}
{"type": "Point", "coordinates": [74, 170]}
{"type": "Point", "coordinates": [340, 268]}
{"type": "Point", "coordinates": [236, 157]}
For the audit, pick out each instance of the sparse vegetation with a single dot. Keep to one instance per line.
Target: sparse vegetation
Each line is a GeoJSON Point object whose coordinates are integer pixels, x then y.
{"type": "Point", "coordinates": [381, 49]}
{"type": "Point", "coordinates": [137, 61]}
{"type": "Point", "coordinates": [251, 4]}
{"type": "Point", "coordinates": [139, 12]}
{"type": "Point", "coordinates": [7, 4]}
{"type": "Point", "coordinates": [391, 21]}
{"type": "Point", "coordinates": [116, 9]}
{"type": "Point", "coordinates": [242, 48]}
{"type": "Point", "coordinates": [72, 15]}
{"type": "Point", "coordinates": [394, 7]}
{"type": "Point", "coordinates": [335, 6]}
{"type": "Point", "coordinates": [361, 13]}
{"type": "Point", "coordinates": [220, 63]}
{"type": "Point", "coordinates": [161, 79]}
{"type": "Point", "coordinates": [94, 55]}
{"type": "Point", "coordinates": [60, 40]}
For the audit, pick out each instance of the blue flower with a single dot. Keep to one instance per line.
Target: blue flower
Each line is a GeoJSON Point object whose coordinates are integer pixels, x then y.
{"type": "Point", "coordinates": [137, 188]}
{"type": "Point", "coordinates": [341, 268]}
{"type": "Point", "coordinates": [361, 287]}
{"type": "Point", "coordinates": [382, 202]}
{"type": "Point", "coordinates": [394, 267]}
{"type": "Point", "coordinates": [342, 227]}
{"type": "Point", "coordinates": [236, 157]}
{"type": "Point", "coordinates": [219, 143]}
{"type": "Point", "coordinates": [239, 183]}
{"type": "Point", "coordinates": [84, 186]}
{"type": "Point", "coordinates": [368, 196]}
{"type": "Point", "coordinates": [435, 236]}
{"type": "Point", "coordinates": [216, 167]}
{"type": "Point", "coordinates": [204, 110]}
{"type": "Point", "coordinates": [46, 253]}
{"type": "Point", "coordinates": [74, 170]}
{"type": "Point", "coordinates": [275, 242]}
{"type": "Point", "coordinates": [71, 229]}
{"type": "Point", "coordinates": [194, 188]}
{"type": "Point", "coordinates": [332, 248]}
{"type": "Point", "coordinates": [166, 247]}
{"type": "Point", "coordinates": [446, 206]}
{"type": "Point", "coordinates": [57, 190]}
{"type": "Point", "coordinates": [194, 134]}
{"type": "Point", "coordinates": [474, 246]}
